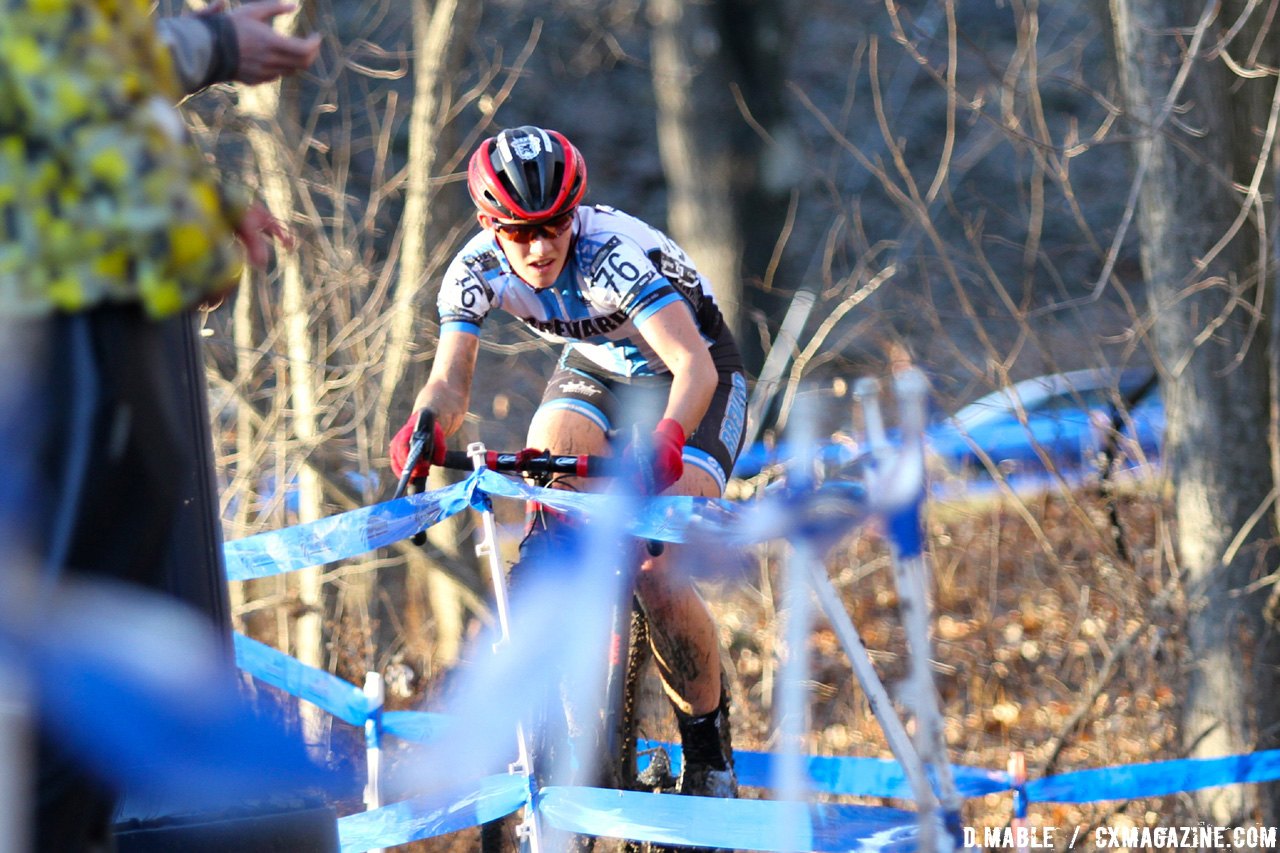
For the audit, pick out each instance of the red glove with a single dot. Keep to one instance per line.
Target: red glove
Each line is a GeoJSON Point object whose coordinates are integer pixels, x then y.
{"type": "Point", "coordinates": [432, 452]}
{"type": "Point", "coordinates": [667, 454]}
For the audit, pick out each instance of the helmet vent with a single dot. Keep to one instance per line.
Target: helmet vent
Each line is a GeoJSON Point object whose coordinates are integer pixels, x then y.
{"type": "Point", "coordinates": [557, 178]}
{"type": "Point", "coordinates": [536, 182]}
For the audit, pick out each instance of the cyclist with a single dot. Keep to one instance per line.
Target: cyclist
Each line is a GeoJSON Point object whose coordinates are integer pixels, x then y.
{"type": "Point", "coordinates": [638, 321]}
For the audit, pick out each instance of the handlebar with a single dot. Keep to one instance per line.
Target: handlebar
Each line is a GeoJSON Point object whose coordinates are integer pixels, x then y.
{"type": "Point", "coordinates": [526, 461]}
{"type": "Point", "coordinates": [523, 462]}
{"type": "Point", "coordinates": [538, 462]}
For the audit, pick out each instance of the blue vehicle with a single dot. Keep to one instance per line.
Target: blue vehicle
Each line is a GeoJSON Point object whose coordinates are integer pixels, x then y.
{"type": "Point", "coordinates": [1078, 422]}
{"type": "Point", "coordinates": [1072, 423]}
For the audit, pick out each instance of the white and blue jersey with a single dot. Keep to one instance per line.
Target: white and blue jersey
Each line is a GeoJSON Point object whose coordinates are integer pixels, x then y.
{"type": "Point", "coordinates": [620, 272]}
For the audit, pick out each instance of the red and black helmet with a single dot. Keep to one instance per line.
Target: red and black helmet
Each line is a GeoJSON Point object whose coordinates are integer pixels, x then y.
{"type": "Point", "coordinates": [526, 174]}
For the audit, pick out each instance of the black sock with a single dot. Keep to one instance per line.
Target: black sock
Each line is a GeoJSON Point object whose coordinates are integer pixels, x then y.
{"type": "Point", "coordinates": [700, 739]}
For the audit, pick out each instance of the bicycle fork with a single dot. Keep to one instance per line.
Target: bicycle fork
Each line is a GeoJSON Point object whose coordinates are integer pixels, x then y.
{"type": "Point", "coordinates": [529, 831]}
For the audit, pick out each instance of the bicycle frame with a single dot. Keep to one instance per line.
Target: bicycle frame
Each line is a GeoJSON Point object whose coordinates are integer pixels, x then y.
{"type": "Point", "coordinates": [613, 735]}
{"type": "Point", "coordinates": [533, 837]}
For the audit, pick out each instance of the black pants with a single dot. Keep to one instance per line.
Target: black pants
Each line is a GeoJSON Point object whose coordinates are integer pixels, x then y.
{"type": "Point", "coordinates": [101, 462]}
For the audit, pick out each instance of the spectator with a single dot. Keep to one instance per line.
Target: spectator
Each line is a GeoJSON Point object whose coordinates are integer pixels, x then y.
{"type": "Point", "coordinates": [112, 225]}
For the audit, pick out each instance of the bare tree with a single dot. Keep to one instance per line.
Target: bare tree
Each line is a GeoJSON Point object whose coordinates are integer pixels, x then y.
{"type": "Point", "coordinates": [694, 115]}
{"type": "Point", "coordinates": [1194, 84]}
{"type": "Point", "coordinates": [730, 152]}
{"type": "Point", "coordinates": [311, 361]}
{"type": "Point", "coordinates": [272, 136]}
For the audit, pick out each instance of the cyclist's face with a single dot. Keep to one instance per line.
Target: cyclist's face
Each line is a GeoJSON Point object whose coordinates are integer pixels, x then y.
{"type": "Point", "coordinates": [539, 261]}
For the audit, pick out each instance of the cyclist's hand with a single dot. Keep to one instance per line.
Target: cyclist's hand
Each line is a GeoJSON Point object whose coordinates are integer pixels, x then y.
{"type": "Point", "coordinates": [432, 451]}
{"type": "Point", "coordinates": [524, 457]}
{"type": "Point", "coordinates": [663, 459]}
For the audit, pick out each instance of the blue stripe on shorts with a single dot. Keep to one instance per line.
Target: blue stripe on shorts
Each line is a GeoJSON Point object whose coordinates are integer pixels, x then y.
{"type": "Point", "coordinates": [701, 459]}
{"type": "Point", "coordinates": [587, 410]}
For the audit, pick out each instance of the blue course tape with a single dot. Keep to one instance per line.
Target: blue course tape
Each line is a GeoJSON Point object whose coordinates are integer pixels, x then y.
{"type": "Point", "coordinates": [907, 532]}
{"type": "Point", "coordinates": [1133, 781]}
{"type": "Point", "coordinates": [847, 775]}
{"type": "Point", "coordinates": [771, 825]}
{"type": "Point", "coordinates": [738, 824]}
{"type": "Point", "coordinates": [339, 537]}
{"type": "Point", "coordinates": [340, 698]}
{"type": "Point", "coordinates": [598, 813]}
{"type": "Point", "coordinates": [867, 777]}
{"type": "Point", "coordinates": [663, 819]}
{"type": "Point", "coordinates": [828, 510]}
{"type": "Point", "coordinates": [665, 519]}
{"type": "Point", "coordinates": [417, 726]}
{"type": "Point", "coordinates": [429, 816]}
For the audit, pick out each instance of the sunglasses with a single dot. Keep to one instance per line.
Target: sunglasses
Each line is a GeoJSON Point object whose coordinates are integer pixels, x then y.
{"type": "Point", "coordinates": [527, 232]}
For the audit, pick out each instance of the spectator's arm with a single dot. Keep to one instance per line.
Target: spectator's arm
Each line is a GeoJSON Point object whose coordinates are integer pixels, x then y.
{"type": "Point", "coordinates": [215, 46]}
{"type": "Point", "coordinates": [266, 54]}
{"type": "Point", "coordinates": [205, 48]}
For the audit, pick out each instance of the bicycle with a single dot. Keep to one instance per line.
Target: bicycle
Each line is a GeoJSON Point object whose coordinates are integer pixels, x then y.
{"type": "Point", "coordinates": [612, 728]}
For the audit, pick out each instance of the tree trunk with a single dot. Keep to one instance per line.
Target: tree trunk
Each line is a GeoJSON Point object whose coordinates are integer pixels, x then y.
{"type": "Point", "coordinates": [433, 33]}
{"type": "Point", "coordinates": [769, 168]}
{"type": "Point", "coordinates": [695, 114]}
{"type": "Point", "coordinates": [242, 336]}
{"type": "Point", "coordinates": [1213, 354]}
{"type": "Point", "coordinates": [261, 104]}
{"type": "Point", "coordinates": [436, 37]}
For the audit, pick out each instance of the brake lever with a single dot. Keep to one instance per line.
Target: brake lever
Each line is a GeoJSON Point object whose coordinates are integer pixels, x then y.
{"type": "Point", "coordinates": [423, 431]}
{"type": "Point", "coordinates": [416, 486]}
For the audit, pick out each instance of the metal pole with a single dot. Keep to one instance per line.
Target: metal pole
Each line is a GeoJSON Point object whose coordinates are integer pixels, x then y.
{"type": "Point", "coordinates": [793, 702]}
{"type": "Point", "coordinates": [907, 549]}
{"type": "Point", "coordinates": [375, 690]}
{"type": "Point", "coordinates": [895, 734]}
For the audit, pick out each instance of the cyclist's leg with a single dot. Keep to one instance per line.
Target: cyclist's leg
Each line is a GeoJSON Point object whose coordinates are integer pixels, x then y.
{"type": "Point", "coordinates": [686, 649]}
{"type": "Point", "coordinates": [683, 633]}
{"type": "Point", "coordinates": [563, 432]}
{"type": "Point", "coordinates": [567, 432]}
{"type": "Point", "coordinates": [551, 540]}
{"type": "Point", "coordinates": [573, 418]}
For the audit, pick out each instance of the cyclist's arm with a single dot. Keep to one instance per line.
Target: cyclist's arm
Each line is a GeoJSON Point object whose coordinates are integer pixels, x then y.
{"type": "Point", "coordinates": [676, 340]}
{"type": "Point", "coordinates": [448, 389]}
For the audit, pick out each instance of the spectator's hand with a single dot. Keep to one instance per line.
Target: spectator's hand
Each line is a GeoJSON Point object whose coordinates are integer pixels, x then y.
{"type": "Point", "coordinates": [432, 453]}
{"type": "Point", "coordinates": [662, 459]}
{"type": "Point", "coordinates": [257, 230]}
{"type": "Point", "coordinates": [266, 54]}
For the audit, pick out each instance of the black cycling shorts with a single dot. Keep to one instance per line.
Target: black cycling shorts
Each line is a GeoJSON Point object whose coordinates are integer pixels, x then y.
{"type": "Point", "coordinates": [618, 403]}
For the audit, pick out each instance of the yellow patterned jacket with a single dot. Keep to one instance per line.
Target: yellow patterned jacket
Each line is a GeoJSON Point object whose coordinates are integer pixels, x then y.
{"type": "Point", "coordinates": [102, 195]}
